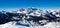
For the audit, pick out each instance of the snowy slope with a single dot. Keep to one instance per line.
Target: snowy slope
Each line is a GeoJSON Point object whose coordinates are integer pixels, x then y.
{"type": "Point", "coordinates": [49, 25]}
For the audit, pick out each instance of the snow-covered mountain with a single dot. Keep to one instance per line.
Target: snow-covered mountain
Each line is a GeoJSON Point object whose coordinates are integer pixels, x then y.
{"type": "Point", "coordinates": [29, 18]}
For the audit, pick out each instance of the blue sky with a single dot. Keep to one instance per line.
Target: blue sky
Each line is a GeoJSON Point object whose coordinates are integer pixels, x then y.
{"type": "Point", "coordinates": [16, 4]}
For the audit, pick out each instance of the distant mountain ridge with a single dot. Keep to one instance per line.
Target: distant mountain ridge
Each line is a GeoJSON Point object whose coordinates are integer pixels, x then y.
{"type": "Point", "coordinates": [30, 14]}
